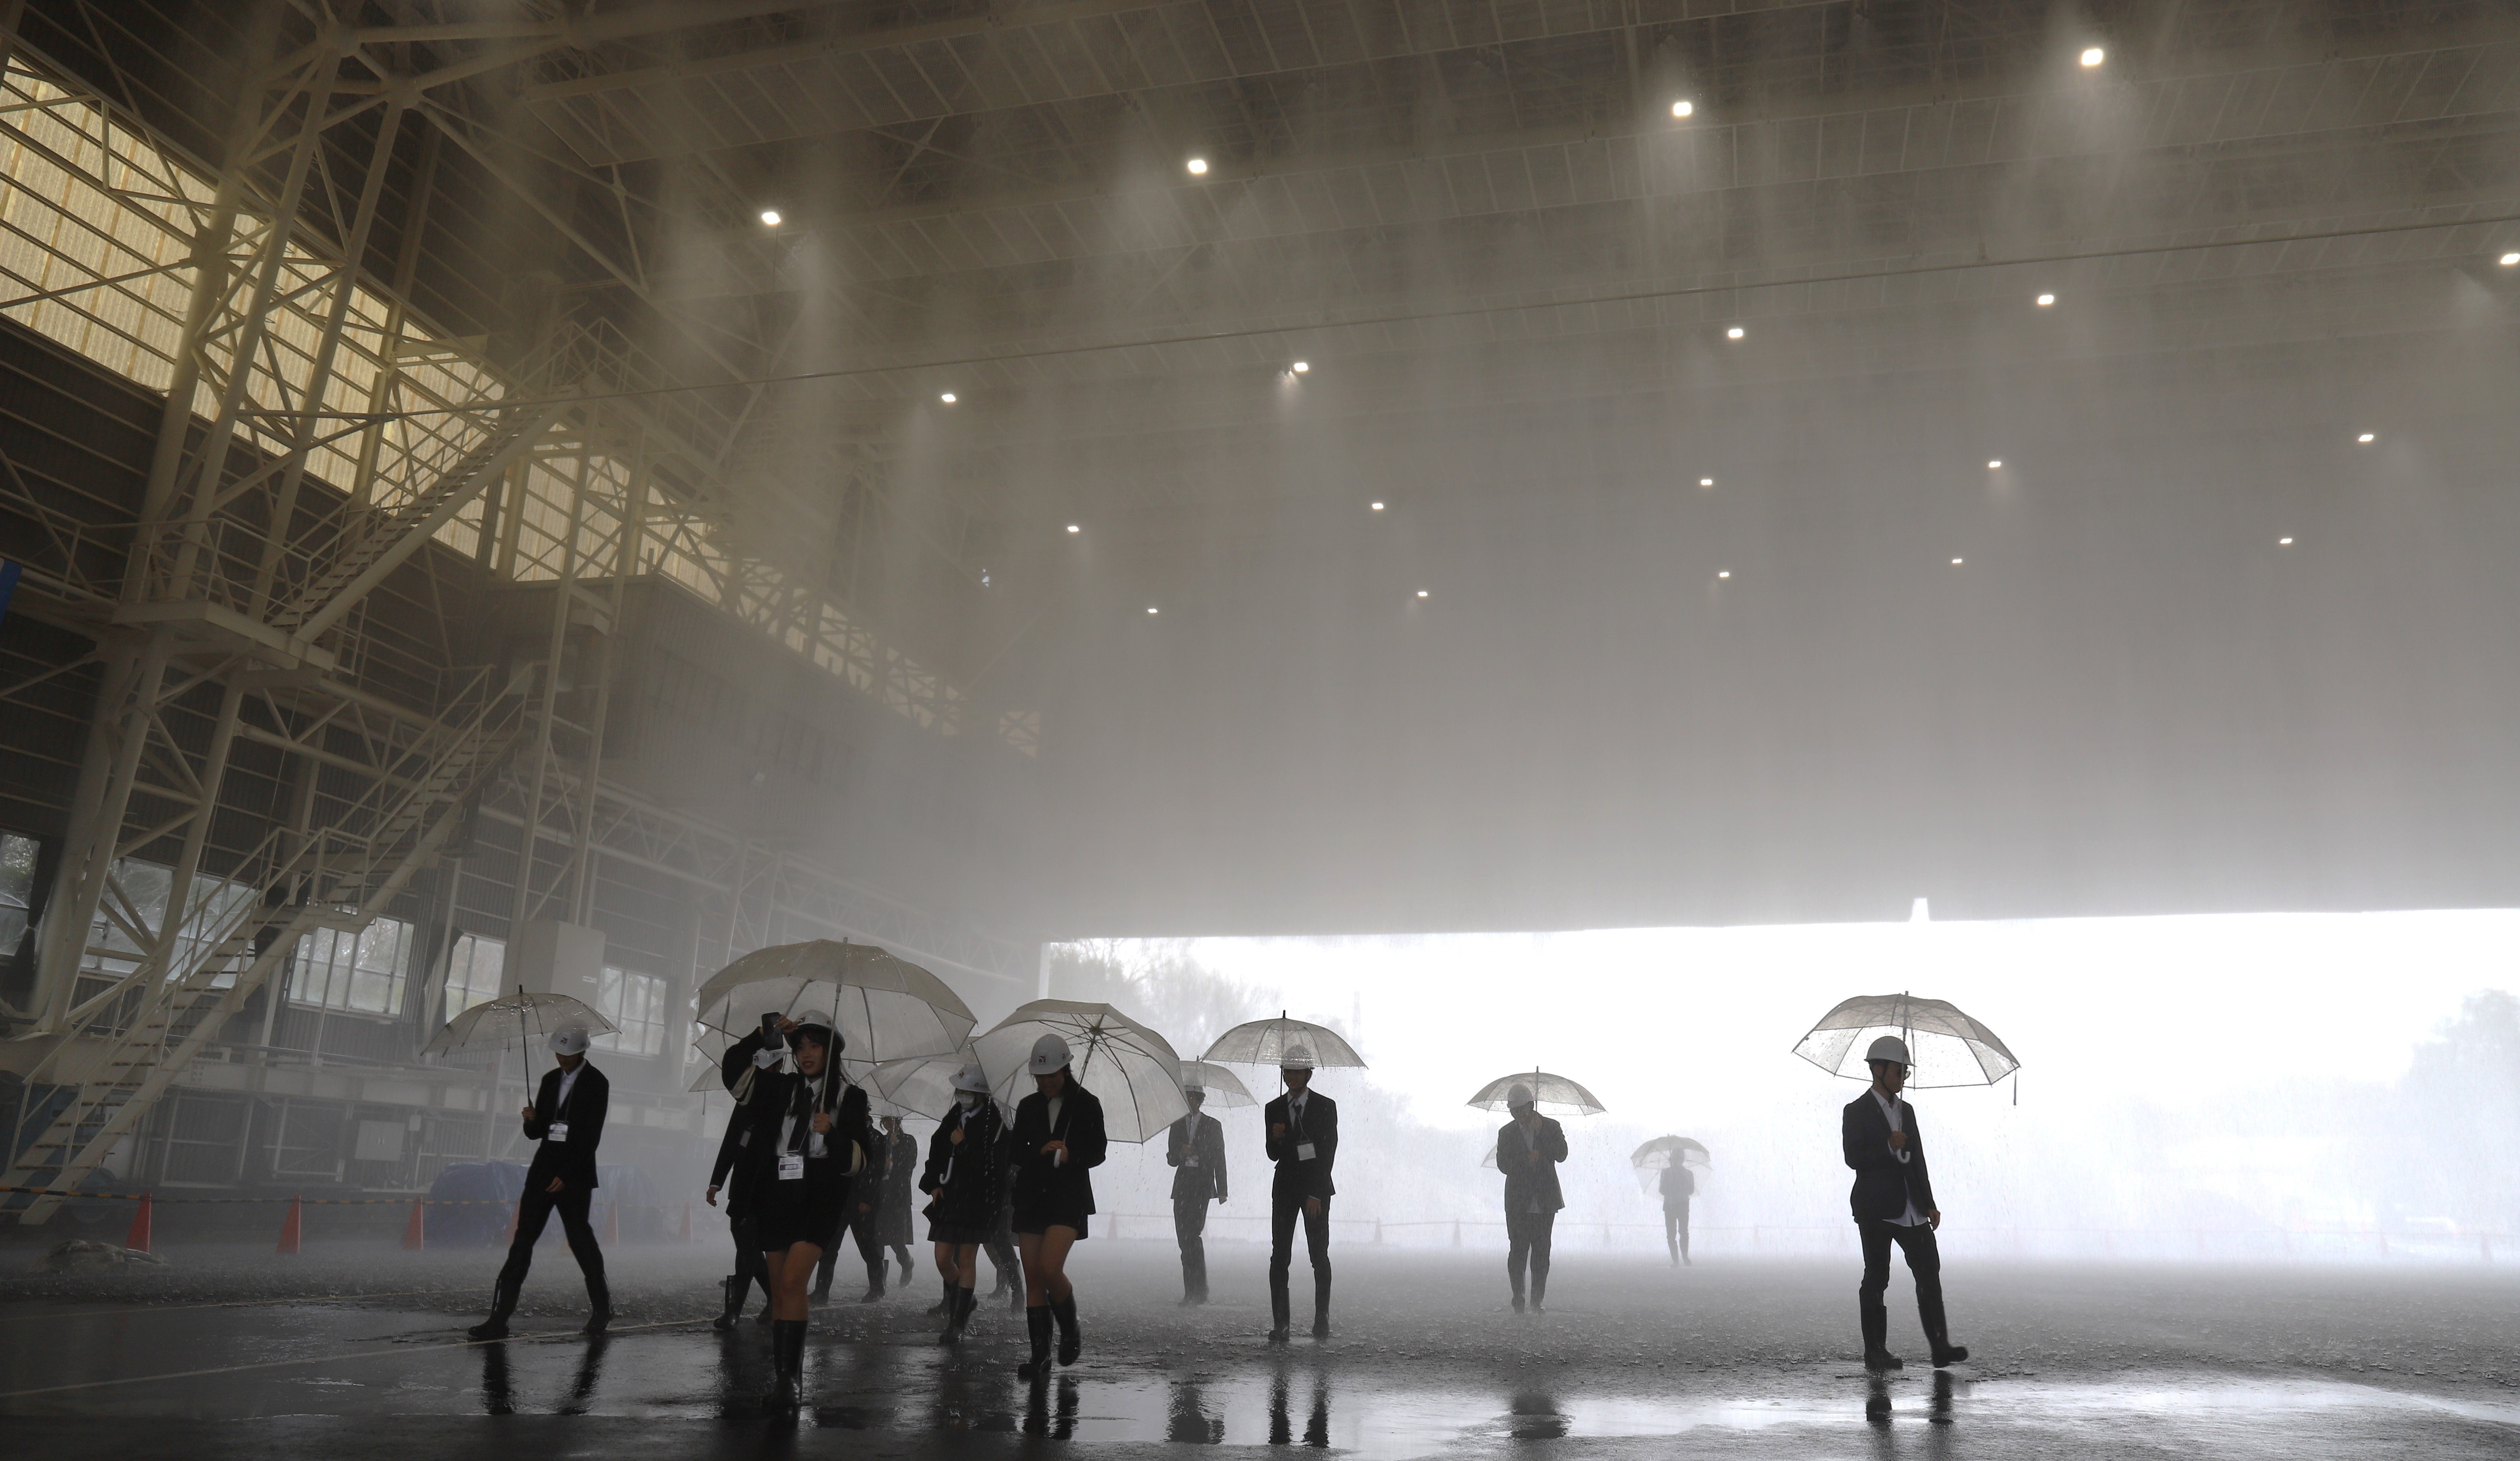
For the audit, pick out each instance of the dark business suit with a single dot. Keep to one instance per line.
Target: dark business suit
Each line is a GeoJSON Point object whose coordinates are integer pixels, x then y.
{"type": "Point", "coordinates": [1194, 1149]}
{"type": "Point", "coordinates": [1295, 1181]}
{"type": "Point", "coordinates": [573, 1161]}
{"type": "Point", "coordinates": [1678, 1185]}
{"type": "Point", "coordinates": [1532, 1197]}
{"type": "Point", "coordinates": [727, 1175]}
{"type": "Point", "coordinates": [1885, 1186]}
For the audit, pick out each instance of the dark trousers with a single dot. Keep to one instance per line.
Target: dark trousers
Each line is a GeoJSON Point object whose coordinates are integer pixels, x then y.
{"type": "Point", "coordinates": [1190, 1226]}
{"type": "Point", "coordinates": [1284, 1208]}
{"type": "Point", "coordinates": [535, 1210]}
{"type": "Point", "coordinates": [1924, 1260]}
{"type": "Point", "coordinates": [870, 1250]}
{"type": "Point", "coordinates": [1526, 1240]}
{"type": "Point", "coordinates": [748, 1263]}
{"type": "Point", "coordinates": [1675, 1230]}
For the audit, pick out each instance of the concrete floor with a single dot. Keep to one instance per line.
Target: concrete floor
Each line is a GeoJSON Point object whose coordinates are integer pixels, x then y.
{"type": "Point", "coordinates": [357, 1351]}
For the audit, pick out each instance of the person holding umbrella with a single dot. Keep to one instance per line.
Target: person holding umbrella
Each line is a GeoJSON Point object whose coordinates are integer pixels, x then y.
{"type": "Point", "coordinates": [960, 1180]}
{"type": "Point", "coordinates": [1195, 1148]}
{"type": "Point", "coordinates": [1678, 1185]}
{"type": "Point", "coordinates": [1528, 1149]}
{"type": "Point", "coordinates": [565, 1121]}
{"type": "Point", "coordinates": [1893, 1200]}
{"type": "Point", "coordinates": [1058, 1141]}
{"type": "Point", "coordinates": [879, 1218]}
{"type": "Point", "coordinates": [1303, 1140]}
{"type": "Point", "coordinates": [810, 1138]}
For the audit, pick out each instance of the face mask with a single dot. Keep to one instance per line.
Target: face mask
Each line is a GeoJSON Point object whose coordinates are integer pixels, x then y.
{"type": "Point", "coordinates": [966, 1099]}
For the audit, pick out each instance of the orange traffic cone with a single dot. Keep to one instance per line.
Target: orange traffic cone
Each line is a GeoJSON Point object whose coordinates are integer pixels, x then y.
{"type": "Point", "coordinates": [137, 1240]}
{"type": "Point", "coordinates": [687, 1223]}
{"type": "Point", "coordinates": [289, 1229]}
{"type": "Point", "coordinates": [611, 1224]}
{"type": "Point", "coordinates": [415, 1235]}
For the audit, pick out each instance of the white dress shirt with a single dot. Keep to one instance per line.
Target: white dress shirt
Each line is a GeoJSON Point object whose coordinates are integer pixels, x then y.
{"type": "Point", "coordinates": [788, 1127]}
{"type": "Point", "coordinates": [1898, 1122]}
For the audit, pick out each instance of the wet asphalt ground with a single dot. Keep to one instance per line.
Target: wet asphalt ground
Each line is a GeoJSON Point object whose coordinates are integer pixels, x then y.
{"type": "Point", "coordinates": [357, 1350]}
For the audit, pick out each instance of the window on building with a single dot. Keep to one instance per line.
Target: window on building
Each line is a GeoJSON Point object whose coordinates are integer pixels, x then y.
{"type": "Point", "coordinates": [361, 972]}
{"type": "Point", "coordinates": [472, 972]}
{"type": "Point", "coordinates": [16, 888]}
{"type": "Point", "coordinates": [133, 907]}
{"type": "Point", "coordinates": [636, 1002]}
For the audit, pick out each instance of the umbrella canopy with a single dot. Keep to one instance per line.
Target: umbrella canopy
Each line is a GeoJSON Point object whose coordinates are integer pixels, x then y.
{"type": "Point", "coordinates": [1224, 1088]}
{"type": "Point", "coordinates": [923, 1083]}
{"type": "Point", "coordinates": [520, 1017]}
{"type": "Point", "coordinates": [1266, 1043]}
{"type": "Point", "coordinates": [884, 1008]}
{"type": "Point", "coordinates": [1945, 1046]}
{"type": "Point", "coordinates": [1547, 1090]}
{"type": "Point", "coordinates": [1131, 1069]}
{"type": "Point", "coordinates": [1660, 1153]}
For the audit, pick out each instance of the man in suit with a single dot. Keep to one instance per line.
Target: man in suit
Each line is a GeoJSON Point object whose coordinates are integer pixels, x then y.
{"type": "Point", "coordinates": [1195, 1151]}
{"type": "Point", "coordinates": [1303, 1140]}
{"type": "Point", "coordinates": [1529, 1148]}
{"type": "Point", "coordinates": [1893, 1199]}
{"type": "Point", "coordinates": [567, 1122]}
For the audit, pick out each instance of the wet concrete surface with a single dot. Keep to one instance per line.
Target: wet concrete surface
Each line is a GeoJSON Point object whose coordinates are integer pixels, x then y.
{"type": "Point", "coordinates": [359, 1352]}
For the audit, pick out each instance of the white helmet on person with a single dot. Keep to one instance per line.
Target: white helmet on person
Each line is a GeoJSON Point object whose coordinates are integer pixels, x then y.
{"type": "Point", "coordinates": [972, 1077]}
{"type": "Point", "coordinates": [1296, 1058]}
{"type": "Point", "coordinates": [1050, 1056]}
{"type": "Point", "coordinates": [1889, 1047]}
{"type": "Point", "coordinates": [1518, 1098]}
{"type": "Point", "coordinates": [569, 1039]}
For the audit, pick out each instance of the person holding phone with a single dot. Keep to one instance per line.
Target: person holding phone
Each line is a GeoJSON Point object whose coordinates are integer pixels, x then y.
{"type": "Point", "coordinates": [1303, 1140]}
{"type": "Point", "coordinates": [1058, 1141]}
{"type": "Point", "coordinates": [565, 1121]}
{"type": "Point", "coordinates": [1528, 1149]}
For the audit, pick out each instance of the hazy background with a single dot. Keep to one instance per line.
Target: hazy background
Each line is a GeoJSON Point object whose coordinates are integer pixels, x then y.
{"type": "Point", "coordinates": [2232, 1087]}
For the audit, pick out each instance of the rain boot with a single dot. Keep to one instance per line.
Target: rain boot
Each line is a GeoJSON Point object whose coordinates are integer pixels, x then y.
{"type": "Point", "coordinates": [1937, 1331]}
{"type": "Point", "coordinates": [822, 1273]}
{"type": "Point", "coordinates": [503, 1303]}
{"type": "Point", "coordinates": [876, 1270]}
{"type": "Point", "coordinates": [598, 1302]}
{"type": "Point", "coordinates": [1037, 1321]}
{"type": "Point", "coordinates": [959, 1303]}
{"type": "Point", "coordinates": [1278, 1315]}
{"type": "Point", "coordinates": [732, 1292]}
{"type": "Point", "coordinates": [1876, 1338]}
{"type": "Point", "coordinates": [1072, 1342]}
{"type": "Point", "coordinates": [784, 1393]}
{"type": "Point", "coordinates": [1321, 1305]}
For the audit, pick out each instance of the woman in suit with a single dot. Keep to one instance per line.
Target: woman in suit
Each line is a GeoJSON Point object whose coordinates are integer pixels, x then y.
{"type": "Point", "coordinates": [961, 1181]}
{"type": "Point", "coordinates": [810, 1138]}
{"type": "Point", "coordinates": [1057, 1141]}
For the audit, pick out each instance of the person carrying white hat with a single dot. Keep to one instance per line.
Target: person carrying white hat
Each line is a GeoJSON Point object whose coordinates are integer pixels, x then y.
{"type": "Point", "coordinates": [1303, 1140]}
{"type": "Point", "coordinates": [960, 1180]}
{"type": "Point", "coordinates": [1058, 1141]}
{"type": "Point", "coordinates": [1893, 1200]}
{"type": "Point", "coordinates": [565, 1123]}
{"type": "Point", "coordinates": [811, 1139]}
{"type": "Point", "coordinates": [1528, 1149]}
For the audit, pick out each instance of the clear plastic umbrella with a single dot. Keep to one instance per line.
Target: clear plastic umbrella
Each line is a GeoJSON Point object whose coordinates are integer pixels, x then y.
{"type": "Point", "coordinates": [1131, 1070]}
{"type": "Point", "coordinates": [1660, 1155]}
{"type": "Point", "coordinates": [1225, 1089]}
{"type": "Point", "coordinates": [923, 1083]}
{"type": "Point", "coordinates": [1266, 1043]}
{"type": "Point", "coordinates": [519, 1017]}
{"type": "Point", "coordinates": [1547, 1090]}
{"type": "Point", "coordinates": [884, 1008]}
{"type": "Point", "coordinates": [1945, 1046]}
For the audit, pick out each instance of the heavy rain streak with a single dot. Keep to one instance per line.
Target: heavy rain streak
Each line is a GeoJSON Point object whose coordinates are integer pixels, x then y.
{"type": "Point", "coordinates": [1545, 728]}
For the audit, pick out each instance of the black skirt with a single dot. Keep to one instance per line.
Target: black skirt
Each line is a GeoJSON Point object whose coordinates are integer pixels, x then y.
{"type": "Point", "coordinates": [806, 1209]}
{"type": "Point", "coordinates": [961, 1234]}
{"type": "Point", "coordinates": [1040, 1217]}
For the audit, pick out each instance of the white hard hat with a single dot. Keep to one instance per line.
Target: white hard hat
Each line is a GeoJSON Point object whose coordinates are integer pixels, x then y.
{"type": "Point", "coordinates": [569, 1041]}
{"type": "Point", "coordinates": [822, 1017]}
{"type": "Point", "coordinates": [972, 1077]}
{"type": "Point", "coordinates": [1888, 1047]}
{"type": "Point", "coordinates": [1049, 1056]}
{"type": "Point", "coordinates": [1296, 1058]}
{"type": "Point", "coordinates": [1517, 1097]}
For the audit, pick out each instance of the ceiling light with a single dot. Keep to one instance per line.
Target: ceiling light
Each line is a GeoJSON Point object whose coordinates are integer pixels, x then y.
{"type": "Point", "coordinates": [2367, 438]}
{"type": "Point", "coordinates": [1074, 528]}
{"type": "Point", "coordinates": [1733, 333]}
{"type": "Point", "coordinates": [1996, 466]}
{"type": "Point", "coordinates": [1705, 481]}
{"type": "Point", "coordinates": [2283, 542]}
{"type": "Point", "coordinates": [2508, 259]}
{"type": "Point", "coordinates": [1722, 573]}
{"type": "Point", "coordinates": [2045, 300]}
{"type": "Point", "coordinates": [1198, 168]}
{"type": "Point", "coordinates": [2093, 55]}
{"type": "Point", "coordinates": [1150, 608]}
{"type": "Point", "coordinates": [1681, 108]}
{"type": "Point", "coordinates": [1300, 367]}
{"type": "Point", "coordinates": [1378, 507]}
{"type": "Point", "coordinates": [1422, 593]}
{"type": "Point", "coordinates": [1956, 563]}
{"type": "Point", "coordinates": [770, 217]}
{"type": "Point", "coordinates": [947, 398]}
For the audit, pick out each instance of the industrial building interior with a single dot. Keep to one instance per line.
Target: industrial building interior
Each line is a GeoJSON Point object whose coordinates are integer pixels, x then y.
{"type": "Point", "coordinates": [557, 495]}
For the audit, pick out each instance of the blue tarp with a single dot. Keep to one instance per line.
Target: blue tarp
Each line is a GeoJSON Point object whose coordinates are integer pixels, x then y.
{"type": "Point", "coordinates": [471, 1202]}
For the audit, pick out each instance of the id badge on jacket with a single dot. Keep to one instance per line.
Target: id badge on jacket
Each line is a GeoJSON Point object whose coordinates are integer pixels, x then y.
{"type": "Point", "coordinates": [1303, 1151]}
{"type": "Point", "coordinates": [791, 1167]}
{"type": "Point", "coordinates": [557, 1131]}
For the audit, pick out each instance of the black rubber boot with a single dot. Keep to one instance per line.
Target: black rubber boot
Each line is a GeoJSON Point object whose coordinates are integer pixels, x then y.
{"type": "Point", "coordinates": [503, 1303]}
{"type": "Point", "coordinates": [1875, 1319]}
{"type": "Point", "coordinates": [1072, 1342]}
{"type": "Point", "coordinates": [823, 1274]}
{"type": "Point", "coordinates": [874, 1280]}
{"type": "Point", "coordinates": [1279, 1304]}
{"type": "Point", "coordinates": [1037, 1321]}
{"type": "Point", "coordinates": [732, 1291]}
{"type": "Point", "coordinates": [1321, 1305]}
{"type": "Point", "coordinates": [786, 1365]}
{"type": "Point", "coordinates": [959, 1303]}
{"type": "Point", "coordinates": [599, 1300]}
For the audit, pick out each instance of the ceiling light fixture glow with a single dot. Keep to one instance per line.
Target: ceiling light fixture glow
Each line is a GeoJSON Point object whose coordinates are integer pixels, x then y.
{"type": "Point", "coordinates": [2508, 259]}
{"type": "Point", "coordinates": [770, 217]}
{"type": "Point", "coordinates": [1956, 563]}
{"type": "Point", "coordinates": [1300, 367]}
{"type": "Point", "coordinates": [1150, 608]}
{"type": "Point", "coordinates": [947, 398]}
{"type": "Point", "coordinates": [1722, 573]}
{"type": "Point", "coordinates": [1681, 108]}
{"type": "Point", "coordinates": [1074, 528]}
{"type": "Point", "coordinates": [1378, 507]}
{"type": "Point", "coordinates": [2283, 542]}
{"type": "Point", "coordinates": [1733, 333]}
{"type": "Point", "coordinates": [1422, 593]}
{"type": "Point", "coordinates": [1198, 168]}
{"type": "Point", "coordinates": [1996, 466]}
{"type": "Point", "coordinates": [2367, 438]}
{"type": "Point", "coordinates": [1705, 481]}
{"type": "Point", "coordinates": [2093, 55]}
{"type": "Point", "coordinates": [2045, 300]}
